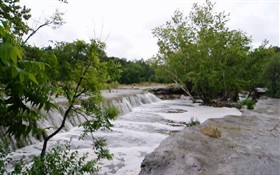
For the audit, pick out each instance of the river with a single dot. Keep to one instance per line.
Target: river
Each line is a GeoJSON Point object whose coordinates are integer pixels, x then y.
{"type": "Point", "coordinates": [138, 131]}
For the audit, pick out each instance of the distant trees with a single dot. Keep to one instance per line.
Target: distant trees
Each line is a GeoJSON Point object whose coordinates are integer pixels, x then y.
{"type": "Point", "coordinates": [271, 76]}
{"type": "Point", "coordinates": [137, 71]}
{"type": "Point", "coordinates": [254, 66]}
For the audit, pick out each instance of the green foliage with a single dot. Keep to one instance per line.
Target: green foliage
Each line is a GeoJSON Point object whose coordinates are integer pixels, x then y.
{"type": "Point", "coordinates": [193, 122]}
{"type": "Point", "coordinates": [29, 78]}
{"type": "Point", "coordinates": [254, 67]}
{"type": "Point", "coordinates": [271, 76]}
{"type": "Point", "coordinates": [248, 102]}
{"type": "Point", "coordinates": [160, 75]}
{"type": "Point", "coordinates": [102, 116]}
{"type": "Point", "coordinates": [114, 72]}
{"type": "Point", "coordinates": [14, 16]}
{"type": "Point", "coordinates": [62, 159]}
{"type": "Point", "coordinates": [136, 72]}
{"type": "Point", "coordinates": [46, 56]}
{"type": "Point", "coordinates": [24, 88]}
{"type": "Point", "coordinates": [71, 57]}
{"type": "Point", "coordinates": [132, 73]}
{"type": "Point", "coordinates": [203, 53]}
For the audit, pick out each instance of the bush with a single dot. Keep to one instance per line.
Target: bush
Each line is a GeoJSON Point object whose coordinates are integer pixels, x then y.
{"type": "Point", "coordinates": [248, 102]}
{"type": "Point", "coordinates": [193, 122]}
{"type": "Point", "coordinates": [59, 160]}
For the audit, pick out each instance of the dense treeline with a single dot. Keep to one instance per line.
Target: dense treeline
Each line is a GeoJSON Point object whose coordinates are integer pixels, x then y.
{"type": "Point", "coordinates": [250, 70]}
{"type": "Point", "coordinates": [62, 57]}
{"type": "Point", "coordinates": [137, 71]}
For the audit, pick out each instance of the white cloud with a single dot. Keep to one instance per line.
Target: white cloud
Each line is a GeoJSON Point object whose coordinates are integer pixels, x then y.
{"type": "Point", "coordinates": [126, 25]}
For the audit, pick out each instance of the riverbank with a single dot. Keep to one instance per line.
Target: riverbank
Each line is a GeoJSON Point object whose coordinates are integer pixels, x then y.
{"type": "Point", "coordinates": [247, 144]}
{"type": "Point", "coordinates": [162, 91]}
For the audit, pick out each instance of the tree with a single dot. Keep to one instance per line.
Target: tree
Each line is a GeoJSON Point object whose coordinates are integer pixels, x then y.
{"type": "Point", "coordinates": [136, 71]}
{"type": "Point", "coordinates": [14, 16]}
{"type": "Point", "coordinates": [131, 73]}
{"type": "Point", "coordinates": [254, 67]}
{"type": "Point", "coordinates": [23, 87]}
{"type": "Point", "coordinates": [159, 70]}
{"type": "Point", "coordinates": [271, 76]}
{"type": "Point", "coordinates": [26, 89]}
{"type": "Point", "coordinates": [201, 52]}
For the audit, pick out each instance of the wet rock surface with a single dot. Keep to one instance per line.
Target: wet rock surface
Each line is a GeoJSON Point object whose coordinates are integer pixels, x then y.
{"type": "Point", "coordinates": [249, 144]}
{"type": "Point", "coordinates": [172, 92]}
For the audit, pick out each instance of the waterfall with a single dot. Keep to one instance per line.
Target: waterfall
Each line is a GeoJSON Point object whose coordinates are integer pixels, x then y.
{"type": "Point", "coordinates": [125, 104]}
{"type": "Point", "coordinates": [123, 101]}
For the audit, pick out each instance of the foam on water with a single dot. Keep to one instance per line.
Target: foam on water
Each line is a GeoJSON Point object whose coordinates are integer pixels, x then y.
{"type": "Point", "coordinates": [138, 132]}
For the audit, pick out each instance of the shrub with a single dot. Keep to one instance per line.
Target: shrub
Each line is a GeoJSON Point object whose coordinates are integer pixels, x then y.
{"type": "Point", "coordinates": [193, 122]}
{"type": "Point", "coordinates": [248, 102]}
{"type": "Point", "coordinates": [211, 132]}
{"type": "Point", "coordinates": [60, 159]}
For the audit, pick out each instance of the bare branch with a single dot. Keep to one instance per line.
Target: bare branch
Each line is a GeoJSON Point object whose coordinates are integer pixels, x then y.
{"type": "Point", "coordinates": [181, 85]}
{"type": "Point", "coordinates": [56, 20]}
{"type": "Point", "coordinates": [72, 102]}
{"type": "Point", "coordinates": [35, 31]}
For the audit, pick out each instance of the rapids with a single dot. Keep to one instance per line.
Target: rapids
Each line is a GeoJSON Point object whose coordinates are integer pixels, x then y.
{"type": "Point", "coordinates": [144, 122]}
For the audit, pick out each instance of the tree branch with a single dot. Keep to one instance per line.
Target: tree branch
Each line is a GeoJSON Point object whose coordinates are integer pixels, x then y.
{"type": "Point", "coordinates": [75, 96]}
{"type": "Point", "coordinates": [181, 85]}
{"type": "Point", "coordinates": [34, 31]}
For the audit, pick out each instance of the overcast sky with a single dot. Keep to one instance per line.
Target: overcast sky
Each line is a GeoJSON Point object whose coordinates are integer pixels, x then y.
{"type": "Point", "coordinates": [126, 25]}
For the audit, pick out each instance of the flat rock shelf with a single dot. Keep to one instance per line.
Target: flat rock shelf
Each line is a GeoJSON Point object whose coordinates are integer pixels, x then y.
{"type": "Point", "coordinates": [247, 144]}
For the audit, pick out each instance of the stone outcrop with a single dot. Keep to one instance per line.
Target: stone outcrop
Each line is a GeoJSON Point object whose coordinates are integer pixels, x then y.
{"type": "Point", "coordinates": [171, 92]}
{"type": "Point", "coordinates": [247, 144]}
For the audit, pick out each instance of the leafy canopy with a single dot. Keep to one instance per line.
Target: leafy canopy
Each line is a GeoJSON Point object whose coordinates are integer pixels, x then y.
{"type": "Point", "coordinates": [31, 76]}
{"type": "Point", "coordinates": [201, 53]}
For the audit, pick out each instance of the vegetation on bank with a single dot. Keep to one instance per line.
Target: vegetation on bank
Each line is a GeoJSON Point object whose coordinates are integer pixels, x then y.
{"type": "Point", "coordinates": [31, 77]}
{"type": "Point", "coordinates": [198, 52]}
{"type": "Point", "coordinates": [209, 59]}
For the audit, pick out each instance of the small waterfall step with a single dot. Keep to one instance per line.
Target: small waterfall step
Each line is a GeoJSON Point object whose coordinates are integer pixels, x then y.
{"type": "Point", "coordinates": [123, 99]}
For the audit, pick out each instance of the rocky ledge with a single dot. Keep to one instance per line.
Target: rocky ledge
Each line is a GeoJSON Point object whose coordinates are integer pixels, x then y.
{"type": "Point", "coordinates": [247, 144]}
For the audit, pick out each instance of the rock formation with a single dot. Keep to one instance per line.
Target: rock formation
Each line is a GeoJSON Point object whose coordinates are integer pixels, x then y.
{"type": "Point", "coordinates": [247, 144]}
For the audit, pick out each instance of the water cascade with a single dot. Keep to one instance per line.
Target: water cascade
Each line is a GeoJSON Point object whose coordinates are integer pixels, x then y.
{"type": "Point", "coordinates": [144, 122]}
{"type": "Point", "coordinates": [124, 100]}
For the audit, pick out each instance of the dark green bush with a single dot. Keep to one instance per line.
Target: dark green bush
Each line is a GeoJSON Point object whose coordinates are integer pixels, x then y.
{"type": "Point", "coordinates": [248, 102]}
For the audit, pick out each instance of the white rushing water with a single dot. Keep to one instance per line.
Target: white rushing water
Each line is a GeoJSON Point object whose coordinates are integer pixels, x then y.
{"type": "Point", "coordinates": [138, 131]}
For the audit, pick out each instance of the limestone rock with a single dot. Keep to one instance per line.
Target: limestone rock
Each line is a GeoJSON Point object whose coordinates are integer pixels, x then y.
{"type": "Point", "coordinates": [249, 144]}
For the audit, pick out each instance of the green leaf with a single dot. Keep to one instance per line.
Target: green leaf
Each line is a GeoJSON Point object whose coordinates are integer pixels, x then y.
{"type": "Point", "coordinates": [21, 77]}
{"type": "Point", "coordinates": [14, 71]}
{"type": "Point", "coordinates": [32, 78]}
{"type": "Point", "coordinates": [4, 53]}
{"type": "Point", "coordinates": [13, 54]}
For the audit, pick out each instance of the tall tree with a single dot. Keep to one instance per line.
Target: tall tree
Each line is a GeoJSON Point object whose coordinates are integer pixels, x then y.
{"type": "Point", "coordinates": [26, 89]}
{"type": "Point", "coordinates": [201, 52]}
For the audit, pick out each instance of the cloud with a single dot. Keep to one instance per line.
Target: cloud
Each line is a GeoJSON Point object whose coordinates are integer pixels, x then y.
{"type": "Point", "coordinates": [126, 25]}
{"type": "Point", "coordinates": [259, 19]}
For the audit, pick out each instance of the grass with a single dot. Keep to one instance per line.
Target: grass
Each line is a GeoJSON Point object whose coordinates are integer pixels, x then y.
{"type": "Point", "coordinates": [247, 102]}
{"type": "Point", "coordinates": [211, 132]}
